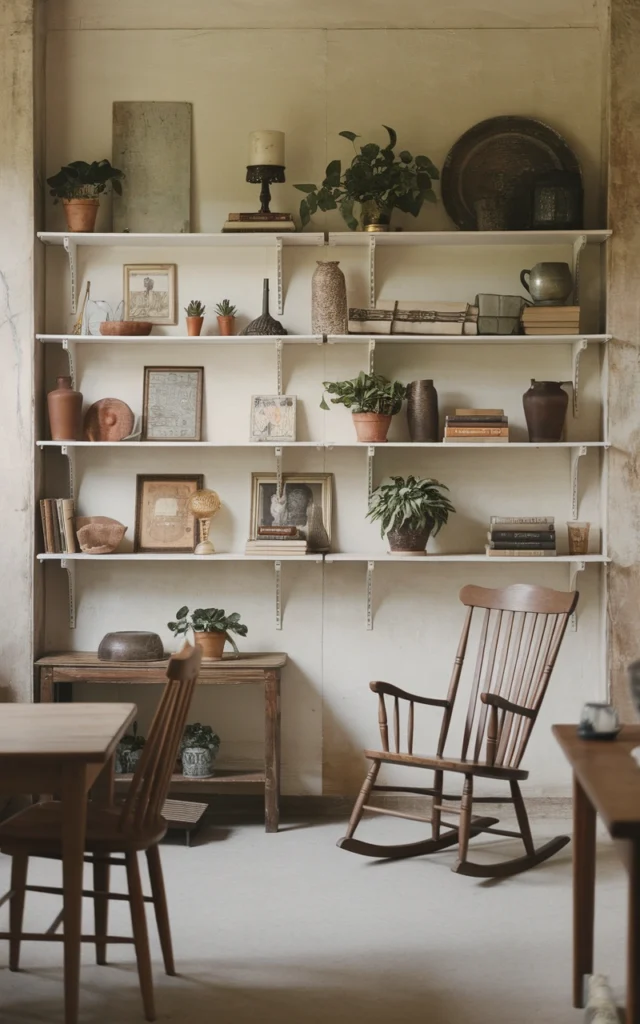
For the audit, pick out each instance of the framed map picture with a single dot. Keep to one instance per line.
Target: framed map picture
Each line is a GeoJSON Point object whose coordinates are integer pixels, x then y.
{"type": "Point", "coordinates": [150, 292]}
{"type": "Point", "coordinates": [273, 418]}
{"type": "Point", "coordinates": [163, 524]}
{"type": "Point", "coordinates": [172, 403]}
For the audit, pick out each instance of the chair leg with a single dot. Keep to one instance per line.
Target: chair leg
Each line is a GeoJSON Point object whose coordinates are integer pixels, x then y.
{"type": "Point", "coordinates": [436, 813]}
{"type": "Point", "coordinates": [466, 807]}
{"type": "Point", "coordinates": [19, 868]}
{"type": "Point", "coordinates": [140, 934]}
{"type": "Point", "coordinates": [363, 796]}
{"type": "Point", "coordinates": [101, 906]}
{"type": "Point", "coordinates": [523, 818]}
{"type": "Point", "coordinates": [160, 907]}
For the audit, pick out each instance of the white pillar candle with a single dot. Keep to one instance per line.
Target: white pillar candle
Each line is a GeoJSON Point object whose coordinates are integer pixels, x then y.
{"type": "Point", "coordinates": [266, 148]}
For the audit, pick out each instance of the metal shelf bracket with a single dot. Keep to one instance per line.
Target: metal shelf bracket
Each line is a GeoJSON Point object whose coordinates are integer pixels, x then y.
{"type": "Point", "coordinates": [279, 365]}
{"type": "Point", "coordinates": [578, 246]}
{"type": "Point", "coordinates": [370, 568]}
{"type": "Point", "coordinates": [372, 270]}
{"type": "Point", "coordinates": [72, 252]}
{"type": "Point", "coordinates": [278, 571]}
{"type": "Point", "coordinates": [70, 454]}
{"type": "Point", "coordinates": [370, 454]}
{"type": "Point", "coordinates": [69, 347]}
{"type": "Point", "coordinates": [279, 285]}
{"type": "Point", "coordinates": [574, 569]}
{"type": "Point", "coordinates": [372, 355]}
{"type": "Point", "coordinates": [71, 574]}
{"type": "Point", "coordinates": [576, 455]}
{"type": "Point", "coordinates": [578, 348]}
{"type": "Point", "coordinates": [278, 455]}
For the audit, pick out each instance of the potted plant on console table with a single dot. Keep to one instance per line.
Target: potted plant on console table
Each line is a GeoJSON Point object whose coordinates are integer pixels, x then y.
{"type": "Point", "coordinates": [373, 401]}
{"type": "Point", "coordinates": [78, 185]}
{"type": "Point", "coordinates": [409, 511]}
{"type": "Point", "coordinates": [198, 751]}
{"type": "Point", "coordinates": [211, 629]}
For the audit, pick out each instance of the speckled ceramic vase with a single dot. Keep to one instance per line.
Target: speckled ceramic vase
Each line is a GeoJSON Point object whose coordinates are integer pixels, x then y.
{"type": "Point", "coordinates": [328, 300]}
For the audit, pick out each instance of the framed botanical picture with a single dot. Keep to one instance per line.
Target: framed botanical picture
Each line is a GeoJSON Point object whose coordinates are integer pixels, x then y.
{"type": "Point", "coordinates": [163, 523]}
{"type": "Point", "coordinates": [299, 492]}
{"type": "Point", "coordinates": [150, 292]}
{"type": "Point", "coordinates": [273, 418]}
{"type": "Point", "coordinates": [172, 403]}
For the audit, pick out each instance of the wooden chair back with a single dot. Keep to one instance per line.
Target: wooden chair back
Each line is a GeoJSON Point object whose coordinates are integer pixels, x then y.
{"type": "Point", "coordinates": [152, 777]}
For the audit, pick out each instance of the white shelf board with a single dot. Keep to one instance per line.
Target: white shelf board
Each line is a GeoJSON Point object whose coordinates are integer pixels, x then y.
{"type": "Point", "coordinates": [226, 556]}
{"type": "Point", "coordinates": [165, 339]}
{"type": "Point", "coordinates": [319, 444]}
{"type": "Point", "coordinates": [464, 558]}
{"type": "Point", "coordinates": [467, 444]}
{"type": "Point", "coordinates": [522, 238]}
{"type": "Point", "coordinates": [466, 339]}
{"type": "Point", "coordinates": [192, 240]}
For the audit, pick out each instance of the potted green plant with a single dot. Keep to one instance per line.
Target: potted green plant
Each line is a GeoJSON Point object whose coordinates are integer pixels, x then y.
{"type": "Point", "coordinates": [226, 317]}
{"type": "Point", "coordinates": [373, 401]}
{"type": "Point", "coordinates": [409, 511]}
{"type": "Point", "coordinates": [198, 750]}
{"type": "Point", "coordinates": [211, 629]}
{"type": "Point", "coordinates": [129, 752]}
{"type": "Point", "coordinates": [195, 317]}
{"type": "Point", "coordinates": [378, 179]}
{"type": "Point", "coordinates": [78, 185]}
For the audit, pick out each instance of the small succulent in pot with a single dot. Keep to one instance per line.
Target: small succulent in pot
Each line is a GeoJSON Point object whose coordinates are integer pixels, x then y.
{"type": "Point", "coordinates": [211, 629]}
{"type": "Point", "coordinates": [129, 752]}
{"type": "Point", "coordinates": [409, 511]}
{"type": "Point", "coordinates": [373, 401]}
{"type": "Point", "coordinates": [226, 314]}
{"type": "Point", "coordinates": [198, 750]}
{"type": "Point", "coordinates": [195, 317]}
{"type": "Point", "coordinates": [79, 185]}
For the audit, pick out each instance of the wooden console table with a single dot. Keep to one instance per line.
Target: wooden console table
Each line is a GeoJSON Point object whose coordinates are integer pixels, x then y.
{"type": "Point", "coordinates": [606, 781]}
{"type": "Point", "coordinates": [261, 669]}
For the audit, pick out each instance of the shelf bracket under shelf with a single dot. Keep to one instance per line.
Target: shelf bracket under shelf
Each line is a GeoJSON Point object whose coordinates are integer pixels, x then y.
{"type": "Point", "coordinates": [278, 571]}
{"type": "Point", "coordinates": [370, 568]}
{"type": "Point", "coordinates": [578, 348]}
{"type": "Point", "coordinates": [370, 454]}
{"type": "Point", "coordinates": [279, 366]}
{"type": "Point", "coordinates": [279, 284]}
{"type": "Point", "coordinates": [278, 455]}
{"type": "Point", "coordinates": [70, 454]}
{"type": "Point", "coordinates": [576, 455]}
{"type": "Point", "coordinates": [372, 355]}
{"type": "Point", "coordinates": [578, 246]}
{"type": "Point", "coordinates": [72, 252]}
{"type": "Point", "coordinates": [372, 271]}
{"type": "Point", "coordinates": [71, 574]}
{"type": "Point", "coordinates": [574, 569]}
{"type": "Point", "coordinates": [69, 347]}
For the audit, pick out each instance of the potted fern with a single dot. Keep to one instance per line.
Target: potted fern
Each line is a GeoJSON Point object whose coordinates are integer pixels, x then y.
{"type": "Point", "coordinates": [373, 401]}
{"type": "Point", "coordinates": [198, 751]}
{"type": "Point", "coordinates": [79, 185]}
{"type": "Point", "coordinates": [211, 629]}
{"type": "Point", "coordinates": [409, 511]}
{"type": "Point", "coordinates": [226, 318]}
{"type": "Point", "coordinates": [195, 317]}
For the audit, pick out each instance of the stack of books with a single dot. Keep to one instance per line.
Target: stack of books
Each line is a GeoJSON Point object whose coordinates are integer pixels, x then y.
{"type": "Point", "coordinates": [521, 537]}
{"type": "Point", "coordinates": [246, 222]}
{"type": "Point", "coordinates": [277, 541]}
{"type": "Point", "coordinates": [58, 515]}
{"type": "Point", "coordinates": [484, 426]}
{"type": "Point", "coordinates": [551, 319]}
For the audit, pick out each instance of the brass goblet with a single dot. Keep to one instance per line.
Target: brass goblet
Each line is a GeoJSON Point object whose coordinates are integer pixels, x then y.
{"type": "Point", "coordinates": [204, 505]}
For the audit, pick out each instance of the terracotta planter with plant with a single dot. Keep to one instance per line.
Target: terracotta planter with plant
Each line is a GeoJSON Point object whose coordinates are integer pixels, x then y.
{"type": "Point", "coordinates": [409, 511]}
{"type": "Point", "coordinates": [373, 401]}
{"type": "Point", "coordinates": [78, 185]}
{"type": "Point", "coordinates": [226, 318]}
{"type": "Point", "coordinates": [378, 180]}
{"type": "Point", "coordinates": [211, 629]}
{"type": "Point", "coordinates": [195, 318]}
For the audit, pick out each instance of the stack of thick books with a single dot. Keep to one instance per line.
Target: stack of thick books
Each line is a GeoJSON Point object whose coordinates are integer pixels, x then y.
{"type": "Point", "coordinates": [277, 222]}
{"type": "Point", "coordinates": [523, 537]}
{"type": "Point", "coordinates": [58, 529]}
{"type": "Point", "coordinates": [551, 319]}
{"type": "Point", "coordinates": [484, 426]}
{"type": "Point", "coordinates": [277, 541]}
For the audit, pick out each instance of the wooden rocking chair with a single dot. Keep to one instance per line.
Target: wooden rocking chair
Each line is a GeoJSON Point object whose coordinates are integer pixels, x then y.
{"type": "Point", "coordinates": [520, 636]}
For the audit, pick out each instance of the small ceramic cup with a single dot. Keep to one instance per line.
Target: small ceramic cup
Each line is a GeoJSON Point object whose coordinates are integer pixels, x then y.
{"type": "Point", "coordinates": [598, 721]}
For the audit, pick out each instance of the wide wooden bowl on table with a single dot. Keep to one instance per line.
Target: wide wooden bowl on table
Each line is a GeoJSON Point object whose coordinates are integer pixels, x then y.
{"type": "Point", "coordinates": [126, 328]}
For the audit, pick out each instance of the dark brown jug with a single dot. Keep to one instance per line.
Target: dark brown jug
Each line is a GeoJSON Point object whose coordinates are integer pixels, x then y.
{"type": "Point", "coordinates": [422, 411]}
{"type": "Point", "coordinates": [545, 408]}
{"type": "Point", "coordinates": [65, 412]}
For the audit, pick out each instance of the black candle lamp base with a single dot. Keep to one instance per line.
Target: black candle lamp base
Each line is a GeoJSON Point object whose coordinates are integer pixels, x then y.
{"type": "Point", "coordinates": [265, 175]}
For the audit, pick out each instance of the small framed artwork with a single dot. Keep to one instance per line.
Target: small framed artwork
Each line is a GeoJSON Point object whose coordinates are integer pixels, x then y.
{"type": "Point", "coordinates": [150, 292]}
{"type": "Point", "coordinates": [172, 403]}
{"type": "Point", "coordinates": [163, 524]}
{"type": "Point", "coordinates": [291, 508]}
{"type": "Point", "coordinates": [273, 418]}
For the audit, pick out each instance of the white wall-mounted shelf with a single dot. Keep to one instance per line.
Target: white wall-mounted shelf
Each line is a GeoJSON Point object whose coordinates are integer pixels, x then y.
{"type": "Point", "coordinates": [167, 339]}
{"type": "Point", "coordinates": [466, 339]}
{"type": "Point", "coordinates": [318, 444]}
{"type": "Point", "coordinates": [522, 238]}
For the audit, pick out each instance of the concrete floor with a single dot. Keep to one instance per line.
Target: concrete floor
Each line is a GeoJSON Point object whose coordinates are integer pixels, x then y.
{"type": "Point", "coordinates": [287, 928]}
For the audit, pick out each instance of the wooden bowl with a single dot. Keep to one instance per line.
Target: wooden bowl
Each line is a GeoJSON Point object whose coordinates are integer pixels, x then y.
{"type": "Point", "coordinates": [99, 535]}
{"type": "Point", "coordinates": [125, 328]}
{"type": "Point", "coordinates": [130, 646]}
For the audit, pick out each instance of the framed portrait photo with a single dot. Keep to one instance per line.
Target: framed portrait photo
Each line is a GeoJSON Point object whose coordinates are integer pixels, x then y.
{"type": "Point", "coordinates": [273, 418]}
{"type": "Point", "coordinates": [163, 524]}
{"type": "Point", "coordinates": [172, 403]}
{"type": "Point", "coordinates": [150, 292]}
{"type": "Point", "coordinates": [291, 508]}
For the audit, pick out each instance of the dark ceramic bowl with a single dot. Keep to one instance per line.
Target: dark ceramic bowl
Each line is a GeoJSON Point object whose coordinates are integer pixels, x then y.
{"type": "Point", "coordinates": [131, 646]}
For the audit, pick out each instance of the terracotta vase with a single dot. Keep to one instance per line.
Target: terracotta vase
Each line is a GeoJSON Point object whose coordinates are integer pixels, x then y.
{"type": "Point", "coordinates": [545, 408]}
{"type": "Point", "coordinates": [65, 412]}
{"type": "Point", "coordinates": [371, 426]}
{"type": "Point", "coordinates": [329, 313]}
{"type": "Point", "coordinates": [194, 326]}
{"type": "Point", "coordinates": [405, 541]}
{"type": "Point", "coordinates": [212, 645]}
{"type": "Point", "coordinates": [227, 326]}
{"type": "Point", "coordinates": [422, 411]}
{"type": "Point", "coordinates": [81, 213]}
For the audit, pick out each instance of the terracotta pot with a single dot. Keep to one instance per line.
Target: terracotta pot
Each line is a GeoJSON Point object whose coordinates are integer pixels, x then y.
{"type": "Point", "coordinates": [227, 325]}
{"type": "Point", "coordinates": [194, 326]}
{"type": "Point", "coordinates": [65, 412]}
{"type": "Point", "coordinates": [545, 408]}
{"type": "Point", "coordinates": [212, 645]}
{"type": "Point", "coordinates": [371, 426]}
{"type": "Point", "coordinates": [405, 541]}
{"type": "Point", "coordinates": [81, 213]}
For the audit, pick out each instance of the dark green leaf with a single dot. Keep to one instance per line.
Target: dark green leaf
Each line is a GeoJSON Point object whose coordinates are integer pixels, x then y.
{"type": "Point", "coordinates": [393, 138]}
{"type": "Point", "coordinates": [182, 614]}
{"type": "Point", "coordinates": [305, 216]}
{"type": "Point", "coordinates": [351, 136]}
{"type": "Point", "coordinates": [405, 156]}
{"type": "Point", "coordinates": [370, 151]}
{"type": "Point", "coordinates": [305, 188]}
{"type": "Point", "coordinates": [334, 170]}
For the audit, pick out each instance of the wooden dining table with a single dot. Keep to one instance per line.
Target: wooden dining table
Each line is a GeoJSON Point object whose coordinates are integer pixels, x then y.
{"type": "Point", "coordinates": [65, 749]}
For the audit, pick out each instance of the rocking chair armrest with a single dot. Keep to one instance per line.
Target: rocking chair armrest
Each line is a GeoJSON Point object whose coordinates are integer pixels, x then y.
{"type": "Point", "coordinates": [395, 691]}
{"type": "Point", "coordinates": [502, 704]}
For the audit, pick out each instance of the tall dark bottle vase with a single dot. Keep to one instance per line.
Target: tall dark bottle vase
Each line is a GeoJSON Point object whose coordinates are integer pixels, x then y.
{"type": "Point", "coordinates": [545, 408]}
{"type": "Point", "coordinates": [422, 411]}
